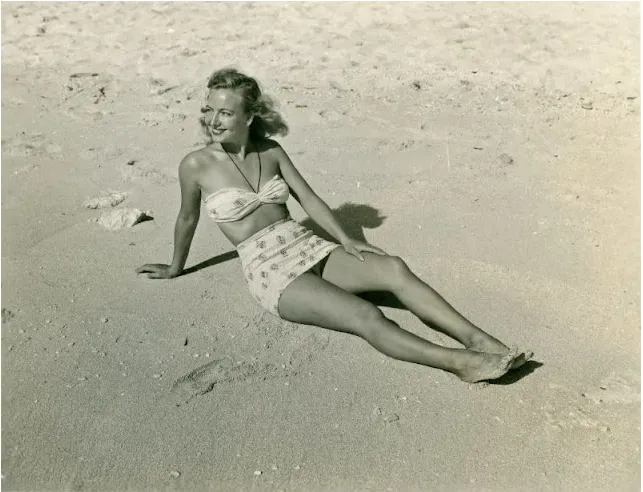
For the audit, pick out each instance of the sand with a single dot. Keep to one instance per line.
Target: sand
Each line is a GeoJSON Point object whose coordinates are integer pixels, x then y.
{"type": "Point", "coordinates": [495, 147]}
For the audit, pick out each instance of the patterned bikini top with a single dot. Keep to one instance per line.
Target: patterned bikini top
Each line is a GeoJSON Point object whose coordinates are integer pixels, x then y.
{"type": "Point", "coordinates": [232, 204]}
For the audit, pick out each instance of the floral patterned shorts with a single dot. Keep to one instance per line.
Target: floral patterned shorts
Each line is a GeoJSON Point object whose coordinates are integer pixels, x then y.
{"type": "Point", "coordinates": [277, 255]}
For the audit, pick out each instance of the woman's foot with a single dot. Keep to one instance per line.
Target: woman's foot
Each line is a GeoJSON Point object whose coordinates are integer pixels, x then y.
{"type": "Point", "coordinates": [486, 343]}
{"type": "Point", "coordinates": [478, 366]}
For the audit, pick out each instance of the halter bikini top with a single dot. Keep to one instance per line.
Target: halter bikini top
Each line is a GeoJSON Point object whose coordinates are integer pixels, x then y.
{"type": "Point", "coordinates": [232, 204]}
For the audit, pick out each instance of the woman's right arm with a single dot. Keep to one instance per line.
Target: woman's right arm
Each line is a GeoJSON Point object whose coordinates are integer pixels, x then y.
{"type": "Point", "coordinates": [186, 223]}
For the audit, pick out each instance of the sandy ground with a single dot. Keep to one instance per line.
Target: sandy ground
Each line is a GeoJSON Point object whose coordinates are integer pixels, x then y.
{"type": "Point", "coordinates": [495, 147]}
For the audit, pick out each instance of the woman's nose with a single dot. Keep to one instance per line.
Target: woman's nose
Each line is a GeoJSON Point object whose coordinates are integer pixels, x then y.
{"type": "Point", "coordinates": [215, 120]}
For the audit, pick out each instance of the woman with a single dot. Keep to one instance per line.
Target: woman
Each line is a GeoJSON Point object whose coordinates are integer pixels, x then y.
{"type": "Point", "coordinates": [244, 180]}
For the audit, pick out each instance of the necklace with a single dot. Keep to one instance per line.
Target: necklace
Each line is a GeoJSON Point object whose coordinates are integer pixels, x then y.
{"type": "Point", "coordinates": [240, 172]}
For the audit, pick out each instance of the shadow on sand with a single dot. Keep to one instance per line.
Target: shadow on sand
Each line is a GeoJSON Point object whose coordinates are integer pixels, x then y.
{"type": "Point", "coordinates": [512, 376]}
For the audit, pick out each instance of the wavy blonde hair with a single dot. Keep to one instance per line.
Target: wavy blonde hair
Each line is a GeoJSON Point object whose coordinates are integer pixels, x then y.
{"type": "Point", "coordinates": [267, 121]}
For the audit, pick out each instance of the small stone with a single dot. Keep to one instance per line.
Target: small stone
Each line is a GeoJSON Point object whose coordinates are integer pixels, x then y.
{"type": "Point", "coordinates": [156, 376]}
{"type": "Point", "coordinates": [104, 320]}
{"type": "Point", "coordinates": [297, 467]}
{"type": "Point", "coordinates": [131, 162]}
{"type": "Point", "coordinates": [604, 428]}
{"type": "Point", "coordinates": [83, 378]}
{"type": "Point", "coordinates": [274, 467]}
{"type": "Point", "coordinates": [48, 321]}
{"type": "Point", "coordinates": [587, 105]}
{"type": "Point", "coordinates": [391, 417]}
{"type": "Point", "coordinates": [175, 474]}
{"type": "Point", "coordinates": [258, 472]}
{"type": "Point", "coordinates": [506, 159]}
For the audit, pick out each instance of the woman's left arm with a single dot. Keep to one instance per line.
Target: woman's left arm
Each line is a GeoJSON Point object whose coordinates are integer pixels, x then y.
{"type": "Point", "coordinates": [317, 209]}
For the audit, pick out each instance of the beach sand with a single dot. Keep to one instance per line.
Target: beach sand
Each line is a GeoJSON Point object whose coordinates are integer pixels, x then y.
{"type": "Point", "coordinates": [495, 147]}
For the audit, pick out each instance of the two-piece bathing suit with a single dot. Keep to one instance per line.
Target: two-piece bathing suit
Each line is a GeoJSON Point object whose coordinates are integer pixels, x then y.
{"type": "Point", "coordinates": [276, 255]}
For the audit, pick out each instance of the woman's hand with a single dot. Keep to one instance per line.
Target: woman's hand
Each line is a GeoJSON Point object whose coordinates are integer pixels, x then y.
{"type": "Point", "coordinates": [354, 247]}
{"type": "Point", "coordinates": [158, 270]}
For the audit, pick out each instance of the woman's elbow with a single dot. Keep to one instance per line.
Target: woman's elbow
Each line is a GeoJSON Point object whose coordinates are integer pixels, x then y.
{"type": "Point", "coordinates": [188, 218]}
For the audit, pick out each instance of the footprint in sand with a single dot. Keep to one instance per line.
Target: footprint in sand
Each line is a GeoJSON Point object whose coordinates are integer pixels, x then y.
{"type": "Point", "coordinates": [204, 378]}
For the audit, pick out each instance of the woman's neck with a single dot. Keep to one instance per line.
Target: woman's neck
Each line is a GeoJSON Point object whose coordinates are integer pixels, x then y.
{"type": "Point", "coordinates": [240, 150]}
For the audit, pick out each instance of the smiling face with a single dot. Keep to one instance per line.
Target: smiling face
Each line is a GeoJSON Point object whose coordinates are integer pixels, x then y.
{"type": "Point", "coordinates": [225, 116]}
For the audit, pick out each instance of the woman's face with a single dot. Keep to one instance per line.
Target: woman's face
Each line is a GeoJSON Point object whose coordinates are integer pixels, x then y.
{"type": "Point", "coordinates": [225, 116]}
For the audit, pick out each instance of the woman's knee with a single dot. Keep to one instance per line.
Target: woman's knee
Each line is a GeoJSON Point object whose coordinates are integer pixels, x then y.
{"type": "Point", "coordinates": [397, 270]}
{"type": "Point", "coordinates": [367, 319]}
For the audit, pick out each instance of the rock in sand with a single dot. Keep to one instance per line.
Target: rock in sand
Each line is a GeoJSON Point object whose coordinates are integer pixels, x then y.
{"type": "Point", "coordinates": [122, 217]}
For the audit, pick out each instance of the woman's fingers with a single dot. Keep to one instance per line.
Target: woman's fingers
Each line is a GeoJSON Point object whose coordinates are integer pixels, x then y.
{"type": "Point", "coordinates": [355, 253]}
{"type": "Point", "coordinates": [375, 249]}
{"type": "Point", "coordinates": [149, 268]}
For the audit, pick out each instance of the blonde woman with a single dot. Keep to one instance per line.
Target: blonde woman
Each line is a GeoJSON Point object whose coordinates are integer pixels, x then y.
{"type": "Point", "coordinates": [243, 179]}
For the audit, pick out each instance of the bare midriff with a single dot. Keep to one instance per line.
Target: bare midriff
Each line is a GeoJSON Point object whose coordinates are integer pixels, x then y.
{"type": "Point", "coordinates": [265, 215]}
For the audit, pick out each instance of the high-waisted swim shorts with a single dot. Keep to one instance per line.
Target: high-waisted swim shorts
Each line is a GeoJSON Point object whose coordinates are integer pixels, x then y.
{"type": "Point", "coordinates": [275, 256]}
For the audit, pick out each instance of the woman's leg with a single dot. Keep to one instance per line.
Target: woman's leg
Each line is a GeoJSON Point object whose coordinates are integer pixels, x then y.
{"type": "Point", "coordinates": [390, 273]}
{"type": "Point", "coordinates": [312, 300]}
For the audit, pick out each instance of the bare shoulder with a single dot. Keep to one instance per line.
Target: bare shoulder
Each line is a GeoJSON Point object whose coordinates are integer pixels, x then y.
{"type": "Point", "coordinates": [193, 160]}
